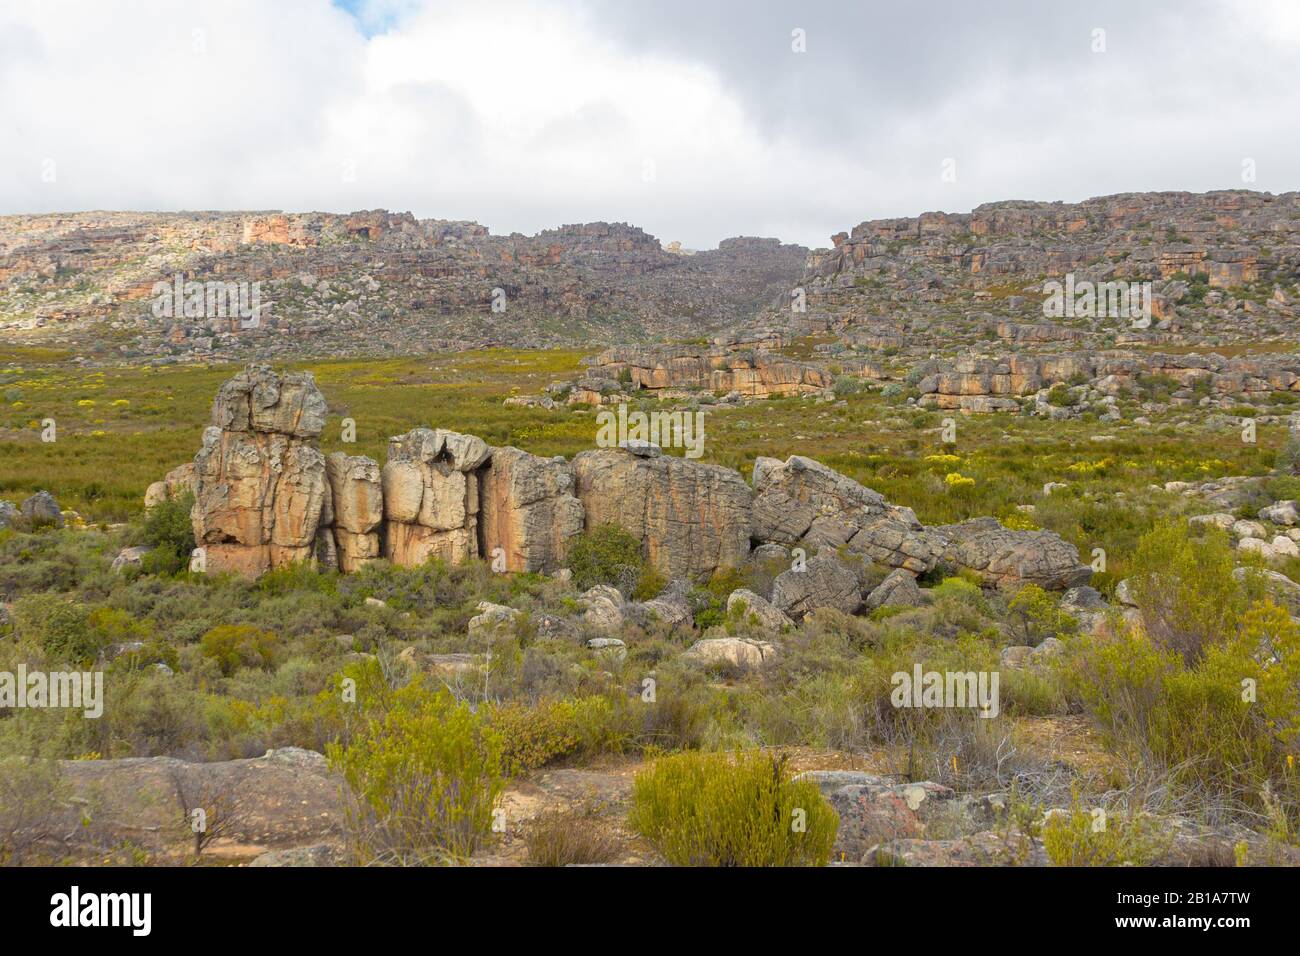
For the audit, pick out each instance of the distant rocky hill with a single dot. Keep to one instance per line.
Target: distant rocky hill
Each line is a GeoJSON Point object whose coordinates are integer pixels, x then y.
{"type": "Point", "coordinates": [372, 282]}
{"type": "Point", "coordinates": [1223, 268]}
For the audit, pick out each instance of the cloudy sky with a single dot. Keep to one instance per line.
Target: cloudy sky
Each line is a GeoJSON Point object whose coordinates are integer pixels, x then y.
{"type": "Point", "coordinates": [695, 119]}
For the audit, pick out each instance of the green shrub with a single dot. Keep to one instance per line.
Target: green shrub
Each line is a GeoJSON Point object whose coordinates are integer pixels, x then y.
{"type": "Point", "coordinates": [1081, 836]}
{"type": "Point", "coordinates": [234, 646]}
{"type": "Point", "coordinates": [58, 627]}
{"type": "Point", "coordinates": [1224, 725]}
{"type": "Point", "coordinates": [607, 554]}
{"type": "Point", "coordinates": [167, 529]}
{"type": "Point", "coordinates": [742, 809]}
{"type": "Point", "coordinates": [297, 576]}
{"type": "Point", "coordinates": [1036, 616]}
{"type": "Point", "coordinates": [423, 778]}
{"type": "Point", "coordinates": [1288, 457]}
{"type": "Point", "coordinates": [1185, 590]}
{"type": "Point", "coordinates": [533, 736]}
{"type": "Point", "coordinates": [1061, 396]}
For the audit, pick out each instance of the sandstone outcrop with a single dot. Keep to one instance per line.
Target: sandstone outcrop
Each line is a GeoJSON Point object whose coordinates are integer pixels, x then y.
{"type": "Point", "coordinates": [265, 496]}
{"type": "Point", "coordinates": [430, 494]}
{"type": "Point", "coordinates": [528, 510]}
{"type": "Point", "coordinates": [357, 498]}
{"type": "Point", "coordinates": [754, 374]}
{"type": "Point", "coordinates": [691, 518]}
{"type": "Point", "coordinates": [1008, 559]}
{"type": "Point", "coordinates": [801, 501]}
{"type": "Point", "coordinates": [259, 479]}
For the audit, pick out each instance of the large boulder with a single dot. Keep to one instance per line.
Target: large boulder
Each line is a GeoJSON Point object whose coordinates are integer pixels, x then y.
{"type": "Point", "coordinates": [691, 518]}
{"type": "Point", "coordinates": [825, 581]}
{"type": "Point", "coordinates": [897, 590]}
{"type": "Point", "coordinates": [527, 508]}
{"type": "Point", "coordinates": [42, 509]}
{"type": "Point", "coordinates": [430, 496]}
{"type": "Point", "coordinates": [259, 399]}
{"type": "Point", "coordinates": [733, 652]}
{"type": "Point", "coordinates": [258, 502]}
{"type": "Point", "coordinates": [1009, 559]}
{"type": "Point", "coordinates": [9, 514]}
{"type": "Point", "coordinates": [357, 503]}
{"type": "Point", "coordinates": [801, 501]}
{"type": "Point", "coordinates": [602, 608]}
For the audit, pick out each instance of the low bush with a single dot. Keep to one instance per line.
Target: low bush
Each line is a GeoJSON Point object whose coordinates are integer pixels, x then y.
{"type": "Point", "coordinates": [168, 530]}
{"type": "Point", "coordinates": [1090, 836]}
{"type": "Point", "coordinates": [423, 778]}
{"type": "Point", "coordinates": [1225, 725]}
{"type": "Point", "coordinates": [572, 837]}
{"type": "Point", "coordinates": [1185, 590]}
{"type": "Point", "coordinates": [234, 646]}
{"type": "Point", "coordinates": [742, 809]}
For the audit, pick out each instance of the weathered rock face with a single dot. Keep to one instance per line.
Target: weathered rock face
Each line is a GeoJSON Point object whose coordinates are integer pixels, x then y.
{"type": "Point", "coordinates": [804, 502]}
{"type": "Point", "coordinates": [733, 652]}
{"type": "Point", "coordinates": [527, 508]}
{"type": "Point", "coordinates": [691, 518]}
{"type": "Point", "coordinates": [259, 479]}
{"type": "Point", "coordinates": [1008, 559]}
{"type": "Point", "coordinates": [751, 605]}
{"type": "Point", "coordinates": [824, 582]}
{"type": "Point", "coordinates": [430, 494]}
{"type": "Point", "coordinates": [897, 590]}
{"type": "Point", "coordinates": [41, 508]}
{"type": "Point", "coordinates": [260, 400]}
{"type": "Point", "coordinates": [358, 507]}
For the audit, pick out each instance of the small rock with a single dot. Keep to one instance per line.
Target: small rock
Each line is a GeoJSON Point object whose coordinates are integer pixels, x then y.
{"type": "Point", "coordinates": [737, 652]}
{"type": "Point", "coordinates": [130, 557]}
{"type": "Point", "coordinates": [770, 617]}
{"type": "Point", "coordinates": [897, 590]}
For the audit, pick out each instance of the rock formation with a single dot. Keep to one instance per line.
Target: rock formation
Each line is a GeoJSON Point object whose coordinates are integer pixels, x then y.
{"type": "Point", "coordinates": [692, 518]}
{"type": "Point", "coordinates": [528, 510]}
{"type": "Point", "coordinates": [430, 493]}
{"type": "Point", "coordinates": [358, 506]}
{"type": "Point", "coordinates": [803, 502]}
{"type": "Point", "coordinates": [265, 496]}
{"type": "Point", "coordinates": [259, 479]}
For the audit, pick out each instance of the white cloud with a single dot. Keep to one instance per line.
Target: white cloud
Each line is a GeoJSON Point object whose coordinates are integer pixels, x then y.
{"type": "Point", "coordinates": [526, 115]}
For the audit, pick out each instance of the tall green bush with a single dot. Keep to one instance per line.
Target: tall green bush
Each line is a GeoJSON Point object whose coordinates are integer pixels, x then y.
{"type": "Point", "coordinates": [423, 777]}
